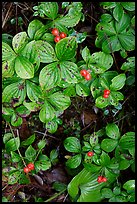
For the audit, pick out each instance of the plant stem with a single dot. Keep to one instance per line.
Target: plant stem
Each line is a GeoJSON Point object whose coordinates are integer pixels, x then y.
{"type": "Point", "coordinates": [16, 144]}
{"type": "Point", "coordinates": [55, 195]}
{"type": "Point", "coordinates": [42, 139]}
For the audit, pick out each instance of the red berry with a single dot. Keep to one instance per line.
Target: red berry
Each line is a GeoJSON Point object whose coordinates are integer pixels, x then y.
{"type": "Point", "coordinates": [107, 91]}
{"type": "Point", "coordinates": [90, 154]}
{"type": "Point", "coordinates": [83, 72]}
{"type": "Point", "coordinates": [104, 179]}
{"type": "Point", "coordinates": [31, 166]}
{"type": "Point", "coordinates": [88, 76]}
{"type": "Point", "coordinates": [105, 95]}
{"type": "Point", "coordinates": [57, 39]}
{"type": "Point", "coordinates": [63, 35]}
{"type": "Point", "coordinates": [26, 170]}
{"type": "Point", "coordinates": [55, 32]}
{"type": "Point", "coordinates": [99, 180]}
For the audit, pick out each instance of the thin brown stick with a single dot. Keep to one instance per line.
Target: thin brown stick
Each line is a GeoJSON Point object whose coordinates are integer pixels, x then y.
{"type": "Point", "coordinates": [6, 17]}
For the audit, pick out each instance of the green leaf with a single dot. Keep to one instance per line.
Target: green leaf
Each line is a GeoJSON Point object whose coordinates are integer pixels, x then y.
{"type": "Point", "coordinates": [59, 101]}
{"type": "Point", "coordinates": [33, 91]}
{"type": "Point", "coordinates": [101, 102]}
{"type": "Point", "coordinates": [110, 176]}
{"type": "Point", "coordinates": [93, 140]}
{"type": "Point", "coordinates": [118, 12]}
{"type": "Point", "coordinates": [49, 76]}
{"type": "Point", "coordinates": [69, 72]}
{"type": "Point", "coordinates": [7, 52]}
{"type": "Point", "coordinates": [43, 163]}
{"type": "Point", "coordinates": [13, 91]}
{"type": "Point", "coordinates": [129, 65]}
{"type": "Point", "coordinates": [19, 41]}
{"type": "Point", "coordinates": [104, 159]}
{"type": "Point", "coordinates": [52, 126]}
{"type": "Point", "coordinates": [106, 17]}
{"type": "Point", "coordinates": [118, 82]}
{"type": "Point", "coordinates": [30, 52]}
{"type": "Point", "coordinates": [22, 111]}
{"type": "Point", "coordinates": [30, 153]}
{"type": "Point", "coordinates": [86, 183]}
{"type": "Point", "coordinates": [115, 96]}
{"type": "Point", "coordinates": [8, 68]}
{"type": "Point", "coordinates": [116, 190]}
{"type": "Point", "coordinates": [127, 41]}
{"type": "Point", "coordinates": [112, 131]}
{"type": "Point", "coordinates": [39, 33]}
{"type": "Point", "coordinates": [66, 48]}
{"type": "Point", "coordinates": [106, 192]}
{"type": "Point", "coordinates": [24, 68]}
{"type": "Point", "coordinates": [130, 6]}
{"type": "Point", "coordinates": [95, 88]}
{"type": "Point", "coordinates": [127, 140]}
{"type": "Point", "coordinates": [70, 20]}
{"type": "Point", "coordinates": [13, 177]}
{"type": "Point", "coordinates": [129, 185]}
{"type": "Point", "coordinates": [23, 179]}
{"type": "Point", "coordinates": [74, 161]}
{"type": "Point", "coordinates": [108, 29]}
{"type": "Point", "coordinates": [45, 51]}
{"type": "Point", "coordinates": [59, 26]}
{"type": "Point", "coordinates": [54, 156]}
{"type": "Point", "coordinates": [6, 137]}
{"type": "Point", "coordinates": [28, 141]}
{"type": "Point", "coordinates": [86, 54]}
{"type": "Point", "coordinates": [41, 144]}
{"type": "Point", "coordinates": [12, 144]}
{"type": "Point", "coordinates": [100, 62]}
{"type": "Point", "coordinates": [32, 106]}
{"type": "Point", "coordinates": [111, 44]}
{"type": "Point", "coordinates": [109, 145]}
{"type": "Point", "coordinates": [16, 120]}
{"type": "Point", "coordinates": [123, 23]}
{"type": "Point", "coordinates": [124, 164]}
{"type": "Point", "coordinates": [82, 89]}
{"type": "Point", "coordinates": [70, 91]}
{"type": "Point", "coordinates": [15, 157]}
{"type": "Point", "coordinates": [48, 37]}
{"type": "Point", "coordinates": [47, 112]}
{"type": "Point", "coordinates": [92, 167]}
{"type": "Point", "coordinates": [7, 38]}
{"type": "Point", "coordinates": [72, 144]}
{"type": "Point", "coordinates": [59, 186]}
{"type": "Point", "coordinates": [130, 80]}
{"type": "Point", "coordinates": [50, 9]}
{"type": "Point", "coordinates": [34, 26]}
{"type": "Point", "coordinates": [108, 5]}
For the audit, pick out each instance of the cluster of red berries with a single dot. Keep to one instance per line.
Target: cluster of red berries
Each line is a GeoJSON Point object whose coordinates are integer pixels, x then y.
{"type": "Point", "coordinates": [85, 74]}
{"type": "Point", "coordinates": [90, 154]}
{"type": "Point", "coordinates": [29, 168]}
{"type": "Point", "coordinates": [101, 179]}
{"type": "Point", "coordinates": [58, 36]}
{"type": "Point", "coordinates": [106, 93]}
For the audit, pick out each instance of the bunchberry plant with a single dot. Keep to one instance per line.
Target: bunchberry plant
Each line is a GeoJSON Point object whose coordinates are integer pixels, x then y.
{"type": "Point", "coordinates": [43, 69]}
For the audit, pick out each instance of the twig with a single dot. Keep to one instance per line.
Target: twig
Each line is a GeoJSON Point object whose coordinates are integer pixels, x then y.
{"type": "Point", "coordinates": [46, 135]}
{"type": "Point", "coordinates": [6, 17]}
{"type": "Point", "coordinates": [124, 117]}
{"type": "Point", "coordinates": [65, 198]}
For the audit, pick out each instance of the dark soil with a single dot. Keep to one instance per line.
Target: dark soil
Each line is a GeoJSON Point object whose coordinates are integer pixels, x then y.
{"type": "Point", "coordinates": [72, 118]}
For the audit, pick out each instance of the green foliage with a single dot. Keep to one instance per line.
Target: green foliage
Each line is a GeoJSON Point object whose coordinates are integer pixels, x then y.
{"type": "Point", "coordinates": [40, 77]}
{"type": "Point", "coordinates": [115, 32]}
